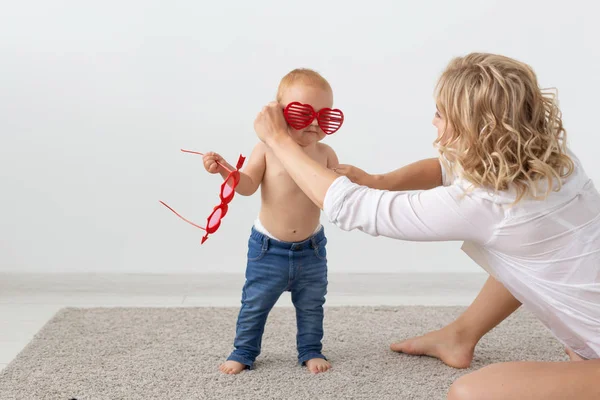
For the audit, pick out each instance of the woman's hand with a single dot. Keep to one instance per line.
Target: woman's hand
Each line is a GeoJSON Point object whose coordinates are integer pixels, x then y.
{"type": "Point", "coordinates": [355, 174]}
{"type": "Point", "coordinates": [270, 123]}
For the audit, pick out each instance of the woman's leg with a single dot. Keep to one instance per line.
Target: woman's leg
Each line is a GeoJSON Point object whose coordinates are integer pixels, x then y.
{"type": "Point", "coordinates": [454, 344]}
{"type": "Point", "coordinates": [530, 380]}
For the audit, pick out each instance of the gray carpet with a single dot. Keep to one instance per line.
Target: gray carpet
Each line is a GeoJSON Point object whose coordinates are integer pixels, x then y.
{"type": "Point", "coordinates": [173, 353]}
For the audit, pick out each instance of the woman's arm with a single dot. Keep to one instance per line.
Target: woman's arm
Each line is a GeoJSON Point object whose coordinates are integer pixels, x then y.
{"type": "Point", "coordinates": [314, 180]}
{"type": "Point", "coordinates": [443, 213]}
{"type": "Point", "coordinates": [420, 175]}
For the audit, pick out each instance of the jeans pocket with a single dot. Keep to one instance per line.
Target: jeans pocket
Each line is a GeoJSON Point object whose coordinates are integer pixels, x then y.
{"type": "Point", "coordinates": [256, 250]}
{"type": "Point", "coordinates": [321, 250]}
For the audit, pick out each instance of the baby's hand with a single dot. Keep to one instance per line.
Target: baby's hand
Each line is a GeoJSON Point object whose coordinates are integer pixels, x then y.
{"type": "Point", "coordinates": [210, 160]}
{"type": "Point", "coordinates": [353, 173]}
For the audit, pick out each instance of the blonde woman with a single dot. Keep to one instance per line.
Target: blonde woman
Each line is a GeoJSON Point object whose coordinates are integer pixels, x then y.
{"type": "Point", "coordinates": [508, 186]}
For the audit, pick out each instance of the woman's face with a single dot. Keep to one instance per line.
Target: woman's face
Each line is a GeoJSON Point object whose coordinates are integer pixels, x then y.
{"type": "Point", "coordinates": [440, 123]}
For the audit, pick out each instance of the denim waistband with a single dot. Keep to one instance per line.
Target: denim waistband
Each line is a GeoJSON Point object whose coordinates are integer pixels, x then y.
{"type": "Point", "coordinates": [310, 242]}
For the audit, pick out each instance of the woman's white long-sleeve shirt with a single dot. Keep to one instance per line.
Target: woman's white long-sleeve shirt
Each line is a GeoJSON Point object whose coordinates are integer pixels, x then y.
{"type": "Point", "coordinates": [546, 253]}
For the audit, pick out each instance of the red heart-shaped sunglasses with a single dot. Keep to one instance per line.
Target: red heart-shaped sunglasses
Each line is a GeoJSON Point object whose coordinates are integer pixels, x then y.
{"type": "Point", "coordinates": [213, 222]}
{"type": "Point", "coordinates": [299, 116]}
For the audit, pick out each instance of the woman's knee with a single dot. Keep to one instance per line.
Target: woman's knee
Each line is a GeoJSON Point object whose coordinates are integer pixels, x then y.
{"type": "Point", "coordinates": [464, 388]}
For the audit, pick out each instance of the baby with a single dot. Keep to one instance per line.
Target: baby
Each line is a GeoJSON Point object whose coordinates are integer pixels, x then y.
{"type": "Point", "coordinates": [286, 248]}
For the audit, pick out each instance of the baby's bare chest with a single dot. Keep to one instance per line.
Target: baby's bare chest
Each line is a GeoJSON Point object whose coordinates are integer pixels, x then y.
{"type": "Point", "coordinates": [278, 180]}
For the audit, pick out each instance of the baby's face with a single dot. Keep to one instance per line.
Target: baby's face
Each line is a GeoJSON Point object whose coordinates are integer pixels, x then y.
{"type": "Point", "coordinates": [315, 96]}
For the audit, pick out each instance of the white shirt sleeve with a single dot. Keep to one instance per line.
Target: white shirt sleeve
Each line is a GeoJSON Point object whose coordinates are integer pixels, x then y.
{"type": "Point", "coordinates": [444, 213]}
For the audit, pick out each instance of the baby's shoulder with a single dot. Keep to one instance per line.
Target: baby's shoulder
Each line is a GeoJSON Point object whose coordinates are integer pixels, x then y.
{"type": "Point", "coordinates": [260, 147]}
{"type": "Point", "coordinates": [325, 148]}
{"type": "Point", "coordinates": [327, 154]}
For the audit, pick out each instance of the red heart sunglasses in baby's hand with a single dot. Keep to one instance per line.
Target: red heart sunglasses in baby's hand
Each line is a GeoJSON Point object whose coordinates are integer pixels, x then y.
{"type": "Point", "coordinates": [299, 116]}
{"type": "Point", "coordinates": [226, 195]}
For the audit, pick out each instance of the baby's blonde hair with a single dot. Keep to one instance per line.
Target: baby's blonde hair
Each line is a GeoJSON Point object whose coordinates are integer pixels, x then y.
{"type": "Point", "coordinates": [303, 76]}
{"type": "Point", "coordinates": [502, 129]}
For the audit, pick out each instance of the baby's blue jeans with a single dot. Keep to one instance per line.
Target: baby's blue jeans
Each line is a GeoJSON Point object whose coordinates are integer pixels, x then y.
{"type": "Point", "coordinates": [274, 267]}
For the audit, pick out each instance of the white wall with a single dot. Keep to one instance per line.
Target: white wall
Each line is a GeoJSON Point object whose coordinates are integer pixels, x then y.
{"type": "Point", "coordinates": [97, 98]}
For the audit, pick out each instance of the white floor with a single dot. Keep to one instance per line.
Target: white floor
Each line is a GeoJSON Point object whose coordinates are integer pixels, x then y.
{"type": "Point", "coordinates": [28, 301]}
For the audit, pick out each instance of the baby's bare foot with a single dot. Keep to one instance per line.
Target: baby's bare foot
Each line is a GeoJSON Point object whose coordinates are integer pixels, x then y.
{"type": "Point", "coordinates": [445, 344]}
{"type": "Point", "coordinates": [231, 367]}
{"type": "Point", "coordinates": [317, 365]}
{"type": "Point", "coordinates": [573, 356]}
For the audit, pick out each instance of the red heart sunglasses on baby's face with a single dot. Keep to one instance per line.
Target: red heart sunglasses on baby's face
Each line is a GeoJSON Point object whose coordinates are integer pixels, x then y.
{"type": "Point", "coordinates": [299, 116]}
{"type": "Point", "coordinates": [226, 195]}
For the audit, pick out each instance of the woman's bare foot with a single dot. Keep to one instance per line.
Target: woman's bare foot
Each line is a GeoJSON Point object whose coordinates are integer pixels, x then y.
{"type": "Point", "coordinates": [231, 367]}
{"type": "Point", "coordinates": [317, 365]}
{"type": "Point", "coordinates": [573, 356]}
{"type": "Point", "coordinates": [447, 344]}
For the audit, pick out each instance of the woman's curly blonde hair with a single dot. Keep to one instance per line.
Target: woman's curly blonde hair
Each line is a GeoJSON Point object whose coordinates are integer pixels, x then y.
{"type": "Point", "coordinates": [502, 130]}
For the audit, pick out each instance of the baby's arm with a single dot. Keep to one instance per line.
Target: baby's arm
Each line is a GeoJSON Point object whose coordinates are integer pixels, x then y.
{"type": "Point", "coordinates": [420, 175]}
{"type": "Point", "coordinates": [250, 177]}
